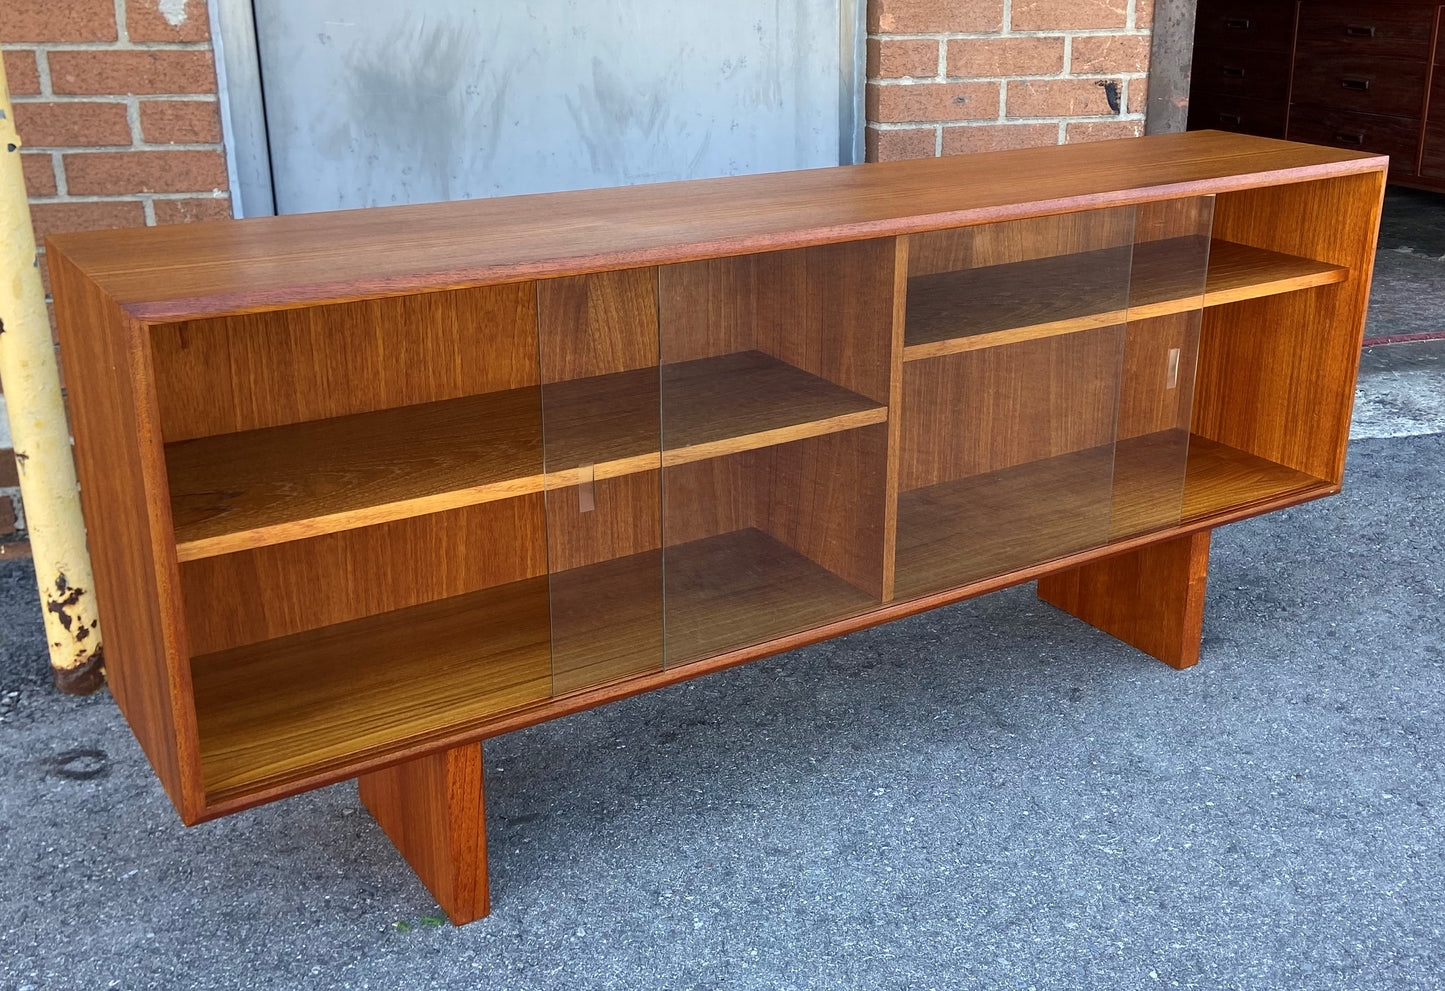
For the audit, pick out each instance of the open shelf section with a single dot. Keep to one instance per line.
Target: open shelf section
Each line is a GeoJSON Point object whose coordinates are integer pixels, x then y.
{"type": "Point", "coordinates": [974, 528]}
{"type": "Point", "coordinates": [1004, 304]}
{"type": "Point", "coordinates": [300, 706]}
{"type": "Point", "coordinates": [237, 491]}
{"type": "Point", "coordinates": [747, 581]}
{"type": "Point", "coordinates": [285, 709]}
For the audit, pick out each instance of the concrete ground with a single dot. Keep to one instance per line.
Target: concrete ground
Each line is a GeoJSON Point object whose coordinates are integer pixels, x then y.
{"type": "Point", "coordinates": [991, 795]}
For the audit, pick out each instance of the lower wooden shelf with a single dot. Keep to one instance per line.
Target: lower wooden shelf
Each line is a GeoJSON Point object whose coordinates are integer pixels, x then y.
{"type": "Point", "coordinates": [294, 708]}
{"type": "Point", "coordinates": [974, 528]}
{"type": "Point", "coordinates": [286, 709]}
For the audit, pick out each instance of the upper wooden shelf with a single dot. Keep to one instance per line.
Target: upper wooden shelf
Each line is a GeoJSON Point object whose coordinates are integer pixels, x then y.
{"type": "Point", "coordinates": [977, 308]}
{"type": "Point", "coordinates": [188, 271]}
{"type": "Point", "coordinates": [233, 492]}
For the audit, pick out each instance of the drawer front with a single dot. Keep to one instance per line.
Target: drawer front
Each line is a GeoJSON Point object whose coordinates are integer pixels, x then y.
{"type": "Point", "coordinates": [1261, 75]}
{"type": "Point", "coordinates": [1242, 114]}
{"type": "Point", "coordinates": [1401, 30]}
{"type": "Point", "coordinates": [1258, 25]}
{"type": "Point", "coordinates": [1398, 137]}
{"type": "Point", "coordinates": [1432, 159]}
{"type": "Point", "coordinates": [1368, 84]}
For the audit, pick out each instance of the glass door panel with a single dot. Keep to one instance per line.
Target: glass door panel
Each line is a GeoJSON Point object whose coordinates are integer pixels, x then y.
{"type": "Point", "coordinates": [601, 462]}
{"type": "Point", "coordinates": [1013, 349]}
{"type": "Point", "coordinates": [1166, 311]}
{"type": "Point", "coordinates": [775, 391]}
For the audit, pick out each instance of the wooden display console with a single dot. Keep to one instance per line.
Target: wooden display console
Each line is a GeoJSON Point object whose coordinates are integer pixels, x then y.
{"type": "Point", "coordinates": [364, 489]}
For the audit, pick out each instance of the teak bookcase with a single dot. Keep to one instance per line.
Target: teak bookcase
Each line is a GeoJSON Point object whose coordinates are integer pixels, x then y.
{"type": "Point", "coordinates": [366, 488]}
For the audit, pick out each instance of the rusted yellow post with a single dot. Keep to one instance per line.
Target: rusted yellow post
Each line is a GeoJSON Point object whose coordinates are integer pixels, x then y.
{"type": "Point", "coordinates": [41, 436]}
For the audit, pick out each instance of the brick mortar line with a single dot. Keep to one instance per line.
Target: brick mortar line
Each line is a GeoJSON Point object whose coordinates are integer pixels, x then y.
{"type": "Point", "coordinates": [905, 81]}
{"type": "Point", "coordinates": [118, 98]}
{"type": "Point", "coordinates": [200, 194]}
{"type": "Point", "coordinates": [107, 46]}
{"type": "Point", "coordinates": [994, 35]}
{"type": "Point", "coordinates": [916, 125]}
{"type": "Point", "coordinates": [118, 149]}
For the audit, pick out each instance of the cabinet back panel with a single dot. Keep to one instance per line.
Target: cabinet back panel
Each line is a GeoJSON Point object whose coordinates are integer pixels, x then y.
{"type": "Point", "coordinates": [981, 411]}
{"type": "Point", "coordinates": [1019, 240]}
{"type": "Point", "coordinates": [706, 308]}
{"type": "Point", "coordinates": [597, 324]}
{"type": "Point", "coordinates": [267, 369]}
{"type": "Point", "coordinates": [273, 591]}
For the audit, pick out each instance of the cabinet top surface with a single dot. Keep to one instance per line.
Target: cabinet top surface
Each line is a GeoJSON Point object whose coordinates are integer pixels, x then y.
{"type": "Point", "coordinates": [222, 267]}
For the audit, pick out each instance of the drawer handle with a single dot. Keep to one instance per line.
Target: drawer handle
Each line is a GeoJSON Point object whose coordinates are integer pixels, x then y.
{"type": "Point", "coordinates": [1232, 71]}
{"type": "Point", "coordinates": [1237, 23]}
{"type": "Point", "coordinates": [1359, 31]}
{"type": "Point", "coordinates": [1350, 139]}
{"type": "Point", "coordinates": [1231, 119]}
{"type": "Point", "coordinates": [1355, 83]}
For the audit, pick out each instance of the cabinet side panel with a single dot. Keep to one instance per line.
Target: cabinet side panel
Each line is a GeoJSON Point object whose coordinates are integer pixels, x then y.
{"type": "Point", "coordinates": [1277, 375]}
{"type": "Point", "coordinates": [127, 516]}
{"type": "Point", "coordinates": [267, 369]}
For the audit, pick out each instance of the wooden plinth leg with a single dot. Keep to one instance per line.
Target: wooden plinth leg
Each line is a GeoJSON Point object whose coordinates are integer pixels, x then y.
{"type": "Point", "coordinates": [1151, 598]}
{"type": "Point", "coordinates": [433, 810]}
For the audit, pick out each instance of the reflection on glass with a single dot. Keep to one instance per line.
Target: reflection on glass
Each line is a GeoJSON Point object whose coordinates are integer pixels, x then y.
{"type": "Point", "coordinates": [600, 437]}
{"type": "Point", "coordinates": [1014, 347]}
{"type": "Point", "coordinates": [1166, 300]}
{"type": "Point", "coordinates": [775, 385]}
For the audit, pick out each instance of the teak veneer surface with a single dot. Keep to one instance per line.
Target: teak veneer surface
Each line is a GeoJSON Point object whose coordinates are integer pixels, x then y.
{"type": "Point", "coordinates": [964, 310]}
{"type": "Point", "coordinates": [238, 491]}
{"type": "Point", "coordinates": [973, 528]}
{"type": "Point", "coordinates": [195, 270]}
{"type": "Point", "coordinates": [301, 705]}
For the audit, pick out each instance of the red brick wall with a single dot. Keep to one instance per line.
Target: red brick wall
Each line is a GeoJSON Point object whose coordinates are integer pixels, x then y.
{"type": "Point", "coordinates": [952, 76]}
{"type": "Point", "coordinates": [115, 101]}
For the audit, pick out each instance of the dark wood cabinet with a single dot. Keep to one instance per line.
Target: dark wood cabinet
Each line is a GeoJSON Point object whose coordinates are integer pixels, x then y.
{"type": "Point", "coordinates": [1358, 75]}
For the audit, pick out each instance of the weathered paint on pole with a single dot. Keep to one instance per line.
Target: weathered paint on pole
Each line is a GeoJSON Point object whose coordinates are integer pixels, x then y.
{"type": "Point", "coordinates": [41, 436]}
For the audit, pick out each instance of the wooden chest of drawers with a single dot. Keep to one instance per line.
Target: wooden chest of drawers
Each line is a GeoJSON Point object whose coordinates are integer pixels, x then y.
{"type": "Point", "coordinates": [1357, 74]}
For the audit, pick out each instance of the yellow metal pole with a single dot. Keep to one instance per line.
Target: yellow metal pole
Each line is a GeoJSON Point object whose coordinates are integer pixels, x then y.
{"type": "Point", "coordinates": [41, 437]}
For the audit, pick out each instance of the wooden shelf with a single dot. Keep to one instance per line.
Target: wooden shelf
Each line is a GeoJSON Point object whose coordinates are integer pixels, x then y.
{"type": "Point", "coordinates": [295, 707]}
{"type": "Point", "coordinates": [238, 491]}
{"type": "Point", "coordinates": [284, 709]}
{"type": "Point", "coordinates": [970, 309]}
{"type": "Point", "coordinates": [985, 525]}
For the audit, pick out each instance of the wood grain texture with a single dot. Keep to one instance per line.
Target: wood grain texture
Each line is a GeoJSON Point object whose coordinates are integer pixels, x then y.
{"type": "Point", "coordinates": [989, 245]}
{"type": "Point", "coordinates": [433, 809]}
{"type": "Point", "coordinates": [280, 589]}
{"type": "Point", "coordinates": [1277, 375]}
{"type": "Point", "coordinates": [980, 411]}
{"type": "Point", "coordinates": [981, 308]}
{"type": "Point", "coordinates": [744, 588]}
{"type": "Point", "coordinates": [247, 372]}
{"type": "Point", "coordinates": [829, 311]}
{"type": "Point", "coordinates": [289, 708]}
{"type": "Point", "coordinates": [977, 527]}
{"type": "Point", "coordinates": [597, 324]}
{"type": "Point", "coordinates": [238, 492]}
{"type": "Point", "coordinates": [1151, 598]}
{"type": "Point", "coordinates": [181, 271]}
{"type": "Point", "coordinates": [825, 498]}
{"type": "Point", "coordinates": [118, 459]}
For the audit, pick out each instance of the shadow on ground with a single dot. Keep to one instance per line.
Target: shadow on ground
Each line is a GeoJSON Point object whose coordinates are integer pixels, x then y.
{"type": "Point", "coordinates": [989, 795]}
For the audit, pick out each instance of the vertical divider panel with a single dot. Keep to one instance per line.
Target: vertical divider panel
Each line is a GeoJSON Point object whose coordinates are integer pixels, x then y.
{"type": "Point", "coordinates": [1156, 396]}
{"type": "Point", "coordinates": [601, 437]}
